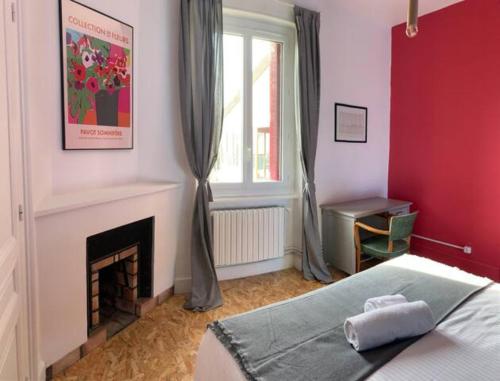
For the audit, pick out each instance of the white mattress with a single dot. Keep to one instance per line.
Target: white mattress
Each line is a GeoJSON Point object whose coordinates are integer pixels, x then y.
{"type": "Point", "coordinates": [466, 346]}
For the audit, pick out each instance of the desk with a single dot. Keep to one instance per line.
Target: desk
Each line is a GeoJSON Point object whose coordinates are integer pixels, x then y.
{"type": "Point", "coordinates": [338, 227]}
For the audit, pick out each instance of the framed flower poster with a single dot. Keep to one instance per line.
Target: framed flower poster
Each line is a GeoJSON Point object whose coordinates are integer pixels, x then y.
{"type": "Point", "coordinates": [97, 79]}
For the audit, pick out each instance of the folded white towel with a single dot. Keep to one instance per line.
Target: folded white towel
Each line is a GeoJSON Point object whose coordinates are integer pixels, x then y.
{"type": "Point", "coordinates": [384, 301]}
{"type": "Point", "coordinates": [385, 325]}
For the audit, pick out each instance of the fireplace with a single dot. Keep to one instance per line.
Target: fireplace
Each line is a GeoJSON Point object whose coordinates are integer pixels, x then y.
{"type": "Point", "coordinates": [119, 275]}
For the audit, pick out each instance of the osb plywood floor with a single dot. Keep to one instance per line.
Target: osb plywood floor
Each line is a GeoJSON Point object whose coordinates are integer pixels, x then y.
{"type": "Point", "coordinates": [163, 344]}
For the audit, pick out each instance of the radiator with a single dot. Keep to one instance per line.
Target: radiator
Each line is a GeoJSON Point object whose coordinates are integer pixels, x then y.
{"type": "Point", "coordinates": [248, 235]}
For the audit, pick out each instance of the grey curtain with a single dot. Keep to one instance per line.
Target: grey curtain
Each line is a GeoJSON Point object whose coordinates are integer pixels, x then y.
{"type": "Point", "coordinates": [307, 23]}
{"type": "Point", "coordinates": [201, 96]}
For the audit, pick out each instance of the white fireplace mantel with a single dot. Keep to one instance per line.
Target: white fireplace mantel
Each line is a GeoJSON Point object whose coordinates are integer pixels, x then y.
{"type": "Point", "coordinates": [63, 223]}
{"type": "Point", "coordinates": [64, 202]}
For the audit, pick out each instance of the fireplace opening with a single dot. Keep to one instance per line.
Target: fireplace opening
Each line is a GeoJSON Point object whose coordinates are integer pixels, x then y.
{"type": "Point", "coordinates": [114, 290]}
{"type": "Point", "coordinates": [119, 275]}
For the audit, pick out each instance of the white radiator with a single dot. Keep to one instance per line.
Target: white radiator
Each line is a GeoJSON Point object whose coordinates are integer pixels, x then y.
{"type": "Point", "coordinates": [248, 235]}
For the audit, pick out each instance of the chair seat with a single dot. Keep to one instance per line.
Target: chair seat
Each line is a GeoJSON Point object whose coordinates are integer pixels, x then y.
{"type": "Point", "coordinates": [377, 247]}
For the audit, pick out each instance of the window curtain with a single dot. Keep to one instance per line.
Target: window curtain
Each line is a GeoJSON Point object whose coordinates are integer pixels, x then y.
{"type": "Point", "coordinates": [307, 23]}
{"type": "Point", "coordinates": [201, 99]}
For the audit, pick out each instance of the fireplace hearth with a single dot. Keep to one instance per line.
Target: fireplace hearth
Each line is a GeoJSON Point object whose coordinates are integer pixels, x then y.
{"type": "Point", "coordinates": [119, 275]}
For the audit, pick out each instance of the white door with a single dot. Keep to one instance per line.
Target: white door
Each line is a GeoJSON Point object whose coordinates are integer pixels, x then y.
{"type": "Point", "coordinates": [13, 327]}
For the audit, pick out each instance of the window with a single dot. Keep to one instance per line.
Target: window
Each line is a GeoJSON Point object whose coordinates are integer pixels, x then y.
{"type": "Point", "coordinates": [257, 149]}
{"type": "Point", "coordinates": [229, 166]}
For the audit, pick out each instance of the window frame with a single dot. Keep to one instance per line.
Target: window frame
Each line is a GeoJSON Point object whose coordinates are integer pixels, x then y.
{"type": "Point", "coordinates": [267, 29]}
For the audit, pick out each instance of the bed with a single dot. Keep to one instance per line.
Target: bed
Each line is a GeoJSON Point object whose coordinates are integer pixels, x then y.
{"type": "Point", "coordinates": [464, 346]}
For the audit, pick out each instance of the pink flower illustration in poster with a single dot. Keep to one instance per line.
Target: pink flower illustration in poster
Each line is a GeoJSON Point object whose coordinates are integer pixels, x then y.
{"type": "Point", "coordinates": [98, 81]}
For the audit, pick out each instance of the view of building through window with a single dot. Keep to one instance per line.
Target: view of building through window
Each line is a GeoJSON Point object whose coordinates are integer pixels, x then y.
{"type": "Point", "coordinates": [262, 144]}
{"type": "Point", "coordinates": [229, 166]}
{"type": "Point", "coordinates": [266, 56]}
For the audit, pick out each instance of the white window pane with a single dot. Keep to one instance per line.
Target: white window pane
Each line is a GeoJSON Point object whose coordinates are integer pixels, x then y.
{"type": "Point", "coordinates": [229, 166]}
{"type": "Point", "coordinates": [266, 91]}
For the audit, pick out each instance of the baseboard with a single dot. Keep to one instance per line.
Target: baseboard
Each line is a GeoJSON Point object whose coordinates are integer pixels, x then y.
{"type": "Point", "coordinates": [297, 261]}
{"type": "Point", "coordinates": [183, 284]}
{"type": "Point", "coordinates": [41, 371]}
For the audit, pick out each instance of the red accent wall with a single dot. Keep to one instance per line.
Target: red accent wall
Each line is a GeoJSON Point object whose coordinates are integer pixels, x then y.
{"type": "Point", "coordinates": [445, 132]}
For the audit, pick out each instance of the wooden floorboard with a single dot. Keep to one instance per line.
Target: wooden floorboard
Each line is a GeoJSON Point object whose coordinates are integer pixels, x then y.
{"type": "Point", "coordinates": [163, 344]}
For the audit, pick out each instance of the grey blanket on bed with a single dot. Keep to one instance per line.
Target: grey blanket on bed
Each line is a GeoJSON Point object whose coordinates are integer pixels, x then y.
{"type": "Point", "coordinates": [303, 338]}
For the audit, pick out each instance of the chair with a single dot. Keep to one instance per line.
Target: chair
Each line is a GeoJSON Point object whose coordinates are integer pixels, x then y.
{"type": "Point", "coordinates": [386, 244]}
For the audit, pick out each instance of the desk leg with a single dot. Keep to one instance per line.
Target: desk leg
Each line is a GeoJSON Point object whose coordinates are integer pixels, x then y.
{"type": "Point", "coordinates": [357, 243]}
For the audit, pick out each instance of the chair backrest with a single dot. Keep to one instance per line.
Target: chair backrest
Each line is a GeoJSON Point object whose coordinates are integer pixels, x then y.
{"type": "Point", "coordinates": [401, 226]}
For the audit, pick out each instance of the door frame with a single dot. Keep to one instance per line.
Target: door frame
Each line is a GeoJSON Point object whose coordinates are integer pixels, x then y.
{"type": "Point", "coordinates": [28, 267]}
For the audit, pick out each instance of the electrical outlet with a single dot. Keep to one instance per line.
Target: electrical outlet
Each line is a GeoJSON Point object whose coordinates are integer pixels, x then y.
{"type": "Point", "coordinates": [468, 250]}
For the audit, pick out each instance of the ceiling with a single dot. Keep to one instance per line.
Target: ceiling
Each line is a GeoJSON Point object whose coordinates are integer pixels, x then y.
{"type": "Point", "coordinates": [392, 12]}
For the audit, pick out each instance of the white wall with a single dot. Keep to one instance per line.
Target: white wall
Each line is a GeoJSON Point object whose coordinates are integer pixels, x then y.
{"type": "Point", "coordinates": [158, 152]}
{"type": "Point", "coordinates": [355, 63]}
{"type": "Point", "coordinates": [62, 262]}
{"type": "Point", "coordinates": [162, 155]}
{"type": "Point", "coordinates": [355, 69]}
{"type": "Point", "coordinates": [55, 170]}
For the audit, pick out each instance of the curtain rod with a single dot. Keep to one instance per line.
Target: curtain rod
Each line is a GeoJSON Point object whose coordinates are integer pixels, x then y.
{"type": "Point", "coordinates": [286, 4]}
{"type": "Point", "coordinates": [239, 12]}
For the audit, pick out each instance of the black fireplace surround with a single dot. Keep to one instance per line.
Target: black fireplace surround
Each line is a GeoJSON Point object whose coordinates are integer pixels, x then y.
{"type": "Point", "coordinates": [105, 244]}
